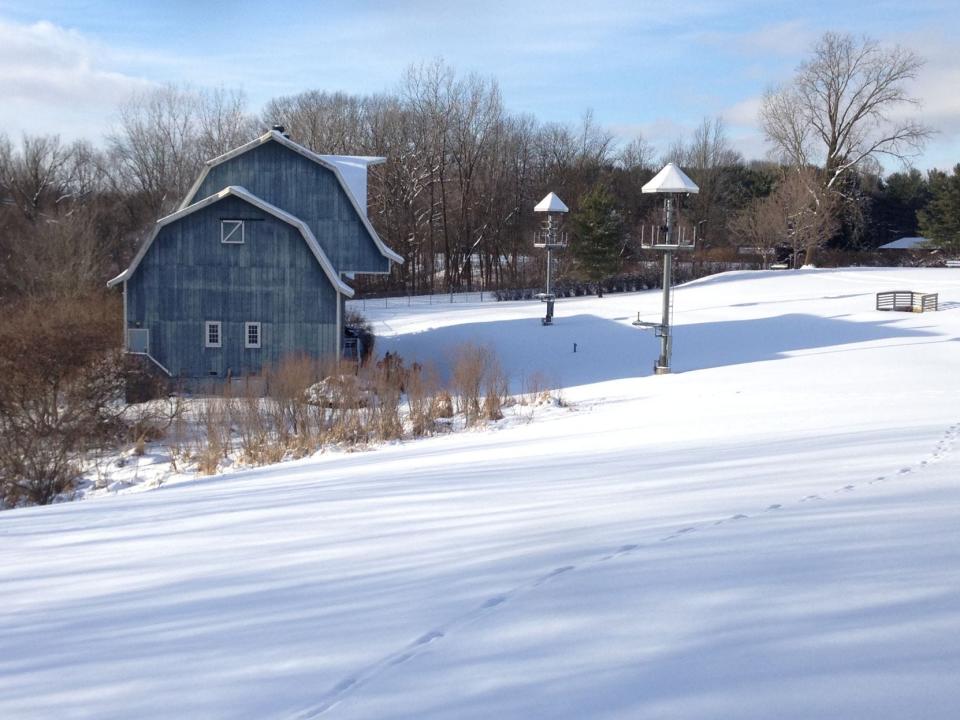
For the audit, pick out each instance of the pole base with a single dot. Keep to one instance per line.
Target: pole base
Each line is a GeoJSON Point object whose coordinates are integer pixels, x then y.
{"type": "Point", "coordinates": [661, 369]}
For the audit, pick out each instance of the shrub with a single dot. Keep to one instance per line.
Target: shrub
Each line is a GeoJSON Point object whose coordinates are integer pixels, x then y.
{"type": "Point", "coordinates": [425, 402]}
{"type": "Point", "coordinates": [214, 418]}
{"type": "Point", "coordinates": [363, 331]}
{"type": "Point", "coordinates": [142, 381]}
{"type": "Point", "coordinates": [287, 385]}
{"type": "Point", "coordinates": [442, 406]}
{"type": "Point", "coordinates": [477, 374]}
{"type": "Point", "coordinates": [495, 387]}
{"type": "Point", "coordinates": [387, 382]}
{"type": "Point", "coordinates": [61, 385]}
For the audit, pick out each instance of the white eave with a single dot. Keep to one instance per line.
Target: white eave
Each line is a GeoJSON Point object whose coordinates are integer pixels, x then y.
{"type": "Point", "coordinates": [342, 166]}
{"type": "Point", "coordinates": [671, 179]}
{"type": "Point", "coordinates": [263, 205]}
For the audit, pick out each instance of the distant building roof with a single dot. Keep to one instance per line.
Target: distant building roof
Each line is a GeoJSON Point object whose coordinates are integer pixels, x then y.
{"type": "Point", "coordinates": [905, 243]}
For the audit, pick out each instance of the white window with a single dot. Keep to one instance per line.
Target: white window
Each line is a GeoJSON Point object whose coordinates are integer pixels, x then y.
{"type": "Point", "coordinates": [251, 335]}
{"type": "Point", "coordinates": [231, 232]}
{"type": "Point", "coordinates": [211, 334]}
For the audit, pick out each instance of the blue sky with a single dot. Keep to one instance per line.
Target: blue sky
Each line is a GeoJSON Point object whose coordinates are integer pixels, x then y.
{"type": "Point", "coordinates": [652, 68]}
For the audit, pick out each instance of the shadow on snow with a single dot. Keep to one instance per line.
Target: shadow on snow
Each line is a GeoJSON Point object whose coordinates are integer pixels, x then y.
{"type": "Point", "coordinates": [612, 350]}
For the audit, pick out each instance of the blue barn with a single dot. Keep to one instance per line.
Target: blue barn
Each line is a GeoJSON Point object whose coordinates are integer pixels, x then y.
{"type": "Point", "coordinates": [252, 266]}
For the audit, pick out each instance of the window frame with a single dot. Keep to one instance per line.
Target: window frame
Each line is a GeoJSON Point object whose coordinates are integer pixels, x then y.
{"type": "Point", "coordinates": [246, 336]}
{"type": "Point", "coordinates": [236, 225]}
{"type": "Point", "coordinates": [207, 326]}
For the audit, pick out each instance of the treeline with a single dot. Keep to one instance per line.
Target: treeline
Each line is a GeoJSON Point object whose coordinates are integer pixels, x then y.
{"type": "Point", "coordinates": [455, 196]}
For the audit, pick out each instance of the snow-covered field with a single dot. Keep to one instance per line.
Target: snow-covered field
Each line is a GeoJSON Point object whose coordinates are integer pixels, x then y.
{"type": "Point", "coordinates": [773, 531]}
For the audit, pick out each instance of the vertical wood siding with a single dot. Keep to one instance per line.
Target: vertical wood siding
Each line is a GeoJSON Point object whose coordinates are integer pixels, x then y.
{"type": "Point", "coordinates": [307, 190]}
{"type": "Point", "coordinates": [189, 277]}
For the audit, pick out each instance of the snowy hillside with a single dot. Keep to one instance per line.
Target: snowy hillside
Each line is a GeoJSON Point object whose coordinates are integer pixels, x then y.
{"type": "Point", "coordinates": [773, 531]}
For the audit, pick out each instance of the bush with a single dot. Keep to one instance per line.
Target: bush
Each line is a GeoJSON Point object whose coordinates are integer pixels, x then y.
{"type": "Point", "coordinates": [360, 327]}
{"type": "Point", "coordinates": [288, 387]}
{"type": "Point", "coordinates": [61, 386]}
{"type": "Point", "coordinates": [425, 400]}
{"type": "Point", "coordinates": [479, 384]}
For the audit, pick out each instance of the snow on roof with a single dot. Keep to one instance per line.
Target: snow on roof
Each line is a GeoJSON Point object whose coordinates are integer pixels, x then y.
{"type": "Point", "coordinates": [905, 243]}
{"type": "Point", "coordinates": [551, 203]}
{"type": "Point", "coordinates": [249, 197]}
{"type": "Point", "coordinates": [671, 180]}
{"type": "Point", "coordinates": [354, 171]}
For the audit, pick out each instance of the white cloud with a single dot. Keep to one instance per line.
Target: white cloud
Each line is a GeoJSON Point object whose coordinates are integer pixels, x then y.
{"type": "Point", "coordinates": [743, 113]}
{"type": "Point", "coordinates": [56, 80]}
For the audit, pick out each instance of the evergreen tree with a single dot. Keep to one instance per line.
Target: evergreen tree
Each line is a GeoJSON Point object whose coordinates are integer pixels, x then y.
{"type": "Point", "coordinates": [940, 220]}
{"type": "Point", "coordinates": [893, 206]}
{"type": "Point", "coordinates": [598, 236]}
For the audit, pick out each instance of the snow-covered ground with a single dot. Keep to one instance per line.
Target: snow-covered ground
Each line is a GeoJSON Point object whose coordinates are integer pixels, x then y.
{"type": "Point", "coordinates": [773, 531]}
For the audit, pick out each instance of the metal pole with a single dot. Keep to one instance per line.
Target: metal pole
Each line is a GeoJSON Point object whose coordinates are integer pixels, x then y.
{"type": "Point", "coordinates": [549, 263]}
{"type": "Point", "coordinates": [663, 363]}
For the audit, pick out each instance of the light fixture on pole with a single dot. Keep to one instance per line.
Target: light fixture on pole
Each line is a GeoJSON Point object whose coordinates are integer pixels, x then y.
{"type": "Point", "coordinates": [672, 182]}
{"type": "Point", "coordinates": [552, 237]}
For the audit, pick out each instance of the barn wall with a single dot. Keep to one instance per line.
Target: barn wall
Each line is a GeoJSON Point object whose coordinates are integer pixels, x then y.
{"type": "Point", "coordinates": [188, 277]}
{"type": "Point", "coordinates": [307, 190]}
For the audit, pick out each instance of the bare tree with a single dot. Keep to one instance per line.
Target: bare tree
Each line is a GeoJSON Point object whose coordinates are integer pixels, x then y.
{"type": "Point", "coordinates": [323, 121]}
{"type": "Point", "coordinates": [842, 107]}
{"type": "Point", "coordinates": [223, 122]}
{"type": "Point", "coordinates": [808, 209]}
{"type": "Point", "coordinates": [36, 177]}
{"type": "Point", "coordinates": [800, 214]}
{"type": "Point", "coordinates": [760, 226]}
{"type": "Point", "coordinates": [52, 219]}
{"type": "Point", "coordinates": [710, 161]}
{"type": "Point", "coordinates": [166, 134]}
{"type": "Point", "coordinates": [155, 149]}
{"type": "Point", "coordinates": [636, 155]}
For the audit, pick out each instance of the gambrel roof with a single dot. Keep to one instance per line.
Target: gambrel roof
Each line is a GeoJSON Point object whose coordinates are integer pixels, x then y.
{"type": "Point", "coordinates": [346, 168]}
{"type": "Point", "coordinates": [257, 202]}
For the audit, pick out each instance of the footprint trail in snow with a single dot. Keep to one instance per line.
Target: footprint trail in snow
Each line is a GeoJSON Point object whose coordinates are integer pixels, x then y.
{"type": "Point", "coordinates": [364, 676]}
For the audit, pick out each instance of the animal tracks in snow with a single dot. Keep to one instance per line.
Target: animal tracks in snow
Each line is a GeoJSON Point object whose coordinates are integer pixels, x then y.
{"type": "Point", "coordinates": [357, 680]}
{"type": "Point", "coordinates": [352, 684]}
{"type": "Point", "coordinates": [429, 637]}
{"type": "Point", "coordinates": [552, 574]}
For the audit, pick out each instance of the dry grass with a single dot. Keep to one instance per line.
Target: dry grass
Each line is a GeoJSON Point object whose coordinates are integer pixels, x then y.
{"type": "Point", "coordinates": [479, 384]}
{"type": "Point", "coordinates": [426, 402]}
{"type": "Point", "coordinates": [312, 404]}
{"type": "Point", "coordinates": [469, 368]}
{"type": "Point", "coordinates": [496, 388]}
{"type": "Point", "coordinates": [214, 419]}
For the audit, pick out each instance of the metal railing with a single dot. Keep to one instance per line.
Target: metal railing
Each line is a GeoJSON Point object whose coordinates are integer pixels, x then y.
{"type": "Point", "coordinates": [907, 301]}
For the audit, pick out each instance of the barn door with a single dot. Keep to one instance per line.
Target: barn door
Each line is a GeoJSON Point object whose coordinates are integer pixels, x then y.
{"type": "Point", "coordinates": [138, 340]}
